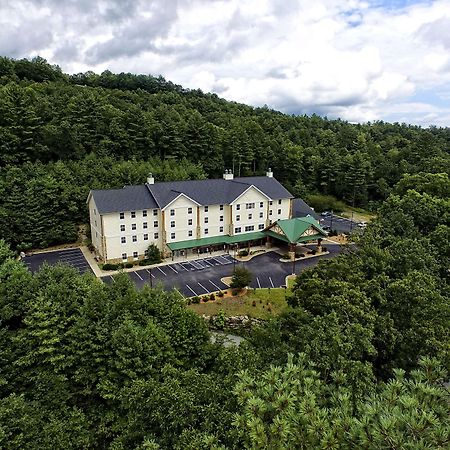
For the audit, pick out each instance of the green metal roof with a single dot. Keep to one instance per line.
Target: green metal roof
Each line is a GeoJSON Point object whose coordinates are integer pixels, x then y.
{"type": "Point", "coordinates": [215, 240]}
{"type": "Point", "coordinates": [294, 228]}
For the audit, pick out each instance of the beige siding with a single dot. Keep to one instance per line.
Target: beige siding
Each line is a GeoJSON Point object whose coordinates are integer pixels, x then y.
{"type": "Point", "coordinates": [181, 218]}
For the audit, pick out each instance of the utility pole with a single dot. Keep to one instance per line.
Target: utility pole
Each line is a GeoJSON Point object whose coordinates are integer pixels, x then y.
{"type": "Point", "coordinates": [331, 223]}
{"type": "Point", "coordinates": [151, 281]}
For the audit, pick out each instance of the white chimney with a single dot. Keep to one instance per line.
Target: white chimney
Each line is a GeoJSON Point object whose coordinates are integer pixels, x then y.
{"type": "Point", "coordinates": [269, 173]}
{"type": "Point", "coordinates": [228, 175]}
{"type": "Point", "coordinates": [150, 179]}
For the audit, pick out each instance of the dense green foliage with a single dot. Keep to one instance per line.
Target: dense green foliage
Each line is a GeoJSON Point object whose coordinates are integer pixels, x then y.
{"type": "Point", "coordinates": [78, 120]}
{"type": "Point", "coordinates": [241, 278]}
{"type": "Point", "coordinates": [95, 366]}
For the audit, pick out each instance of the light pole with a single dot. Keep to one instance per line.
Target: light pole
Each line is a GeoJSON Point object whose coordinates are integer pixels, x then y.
{"type": "Point", "coordinates": [151, 281]}
{"type": "Point", "coordinates": [331, 222]}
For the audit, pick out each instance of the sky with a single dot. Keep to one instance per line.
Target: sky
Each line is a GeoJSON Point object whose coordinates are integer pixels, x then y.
{"type": "Point", "coordinates": [355, 60]}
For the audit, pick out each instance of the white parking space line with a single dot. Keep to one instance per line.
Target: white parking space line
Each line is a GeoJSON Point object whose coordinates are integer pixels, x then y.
{"type": "Point", "coordinates": [139, 276]}
{"type": "Point", "coordinates": [203, 287]}
{"type": "Point", "coordinates": [189, 264]}
{"type": "Point", "coordinates": [184, 268]}
{"type": "Point", "coordinates": [271, 282]}
{"type": "Point", "coordinates": [196, 265]}
{"type": "Point", "coordinates": [162, 271]}
{"type": "Point", "coordinates": [148, 271]}
{"type": "Point", "coordinates": [215, 285]}
{"type": "Point", "coordinates": [259, 284]}
{"type": "Point", "coordinates": [112, 278]}
{"type": "Point", "coordinates": [176, 271]}
{"type": "Point", "coordinates": [219, 262]}
{"type": "Point", "coordinates": [192, 290]}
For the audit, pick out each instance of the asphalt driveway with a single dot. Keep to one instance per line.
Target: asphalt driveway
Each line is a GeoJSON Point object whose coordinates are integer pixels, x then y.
{"type": "Point", "coordinates": [71, 256]}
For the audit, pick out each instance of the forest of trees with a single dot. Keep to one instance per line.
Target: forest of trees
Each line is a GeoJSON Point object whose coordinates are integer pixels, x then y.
{"type": "Point", "coordinates": [359, 359]}
{"type": "Point", "coordinates": [54, 126]}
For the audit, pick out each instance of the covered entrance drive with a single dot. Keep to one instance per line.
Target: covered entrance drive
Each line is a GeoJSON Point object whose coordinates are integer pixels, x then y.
{"type": "Point", "coordinates": [296, 231]}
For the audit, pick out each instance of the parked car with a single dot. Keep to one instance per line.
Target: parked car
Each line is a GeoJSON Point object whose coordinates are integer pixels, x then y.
{"type": "Point", "coordinates": [326, 214]}
{"type": "Point", "coordinates": [362, 224]}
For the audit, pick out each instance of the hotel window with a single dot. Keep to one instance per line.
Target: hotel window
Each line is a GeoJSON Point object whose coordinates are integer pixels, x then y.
{"type": "Point", "coordinates": [279, 211]}
{"type": "Point", "coordinates": [155, 212]}
{"type": "Point", "coordinates": [206, 231]}
{"type": "Point", "coordinates": [135, 254]}
{"type": "Point", "coordinates": [124, 256]}
{"type": "Point", "coordinates": [206, 220]}
{"type": "Point", "coordinates": [172, 212]}
{"type": "Point", "coordinates": [261, 204]}
{"type": "Point", "coordinates": [133, 226]}
{"type": "Point", "coordinates": [172, 235]}
{"type": "Point", "coordinates": [249, 228]}
{"type": "Point", "coordinates": [155, 235]}
{"type": "Point", "coordinates": [221, 207]}
{"type": "Point", "coordinates": [122, 216]}
{"type": "Point", "coordinates": [206, 209]}
{"type": "Point", "coordinates": [144, 213]}
{"type": "Point", "coordinates": [279, 202]}
{"type": "Point", "coordinates": [155, 224]}
{"type": "Point", "coordinates": [146, 253]}
{"type": "Point", "coordinates": [172, 224]}
{"type": "Point", "coordinates": [237, 230]}
{"type": "Point", "coordinates": [270, 203]}
{"type": "Point", "coordinates": [189, 210]}
{"type": "Point", "coordinates": [133, 214]}
{"type": "Point", "coordinates": [122, 227]}
{"type": "Point", "coordinates": [221, 219]}
{"type": "Point", "coordinates": [220, 229]}
{"type": "Point", "coordinates": [145, 225]}
{"type": "Point", "coordinates": [123, 240]}
{"type": "Point", "coordinates": [134, 238]}
{"type": "Point", "coordinates": [250, 217]}
{"type": "Point", "coordinates": [249, 205]}
{"type": "Point", "coordinates": [189, 221]}
{"type": "Point", "coordinates": [261, 226]}
{"type": "Point", "coordinates": [238, 207]}
{"type": "Point", "coordinates": [238, 218]}
{"type": "Point", "coordinates": [145, 237]}
{"type": "Point", "coordinates": [270, 212]}
{"type": "Point", "coordinates": [190, 233]}
{"type": "Point", "coordinates": [261, 215]}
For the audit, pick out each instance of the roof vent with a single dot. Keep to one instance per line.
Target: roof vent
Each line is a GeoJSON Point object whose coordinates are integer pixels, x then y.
{"type": "Point", "coordinates": [228, 175]}
{"type": "Point", "coordinates": [269, 173]}
{"type": "Point", "coordinates": [150, 179]}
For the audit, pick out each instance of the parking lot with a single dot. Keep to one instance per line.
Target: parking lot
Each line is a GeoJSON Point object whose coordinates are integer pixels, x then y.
{"type": "Point", "coordinates": [71, 256]}
{"type": "Point", "coordinates": [202, 276]}
{"type": "Point", "coordinates": [339, 224]}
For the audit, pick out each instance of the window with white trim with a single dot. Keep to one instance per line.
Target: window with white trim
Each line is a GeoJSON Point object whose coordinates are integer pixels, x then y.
{"type": "Point", "coordinates": [122, 227]}
{"type": "Point", "coordinates": [133, 214]}
{"type": "Point", "coordinates": [250, 216]}
{"type": "Point", "coordinates": [250, 228]}
{"type": "Point", "coordinates": [271, 203]}
{"type": "Point", "coordinates": [279, 211]}
{"type": "Point", "coordinates": [189, 221]}
{"type": "Point", "coordinates": [144, 213]}
{"type": "Point", "coordinates": [123, 240]}
{"type": "Point", "coordinates": [172, 235]}
{"type": "Point", "coordinates": [172, 212]}
{"type": "Point", "coordinates": [124, 256]}
{"type": "Point", "coordinates": [270, 212]}
{"type": "Point", "coordinates": [206, 208]}
{"type": "Point", "coordinates": [155, 235]}
{"type": "Point", "coordinates": [155, 224]}
{"type": "Point", "coordinates": [237, 230]}
{"type": "Point", "coordinates": [135, 255]}
{"type": "Point", "coordinates": [220, 229]}
{"type": "Point", "coordinates": [261, 215]}
{"type": "Point", "coordinates": [172, 224]}
{"type": "Point", "coordinates": [206, 219]}
{"type": "Point", "coordinates": [155, 212]}
{"type": "Point", "coordinates": [220, 207]}
{"type": "Point", "coordinates": [133, 226]}
{"type": "Point", "coordinates": [145, 237]}
{"type": "Point", "coordinates": [122, 215]}
{"type": "Point", "coordinates": [249, 205]}
{"type": "Point", "coordinates": [206, 231]}
{"type": "Point", "coordinates": [238, 218]}
{"type": "Point", "coordinates": [279, 202]}
{"type": "Point", "coordinates": [189, 210]}
{"type": "Point", "coordinates": [145, 225]}
{"type": "Point", "coordinates": [221, 219]}
{"type": "Point", "coordinates": [238, 207]}
{"type": "Point", "coordinates": [261, 204]}
{"type": "Point", "coordinates": [261, 226]}
{"type": "Point", "coordinates": [190, 233]}
{"type": "Point", "coordinates": [134, 238]}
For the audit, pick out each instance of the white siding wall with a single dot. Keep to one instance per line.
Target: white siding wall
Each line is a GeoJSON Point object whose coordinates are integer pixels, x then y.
{"type": "Point", "coordinates": [181, 218]}
{"type": "Point", "coordinates": [214, 224]}
{"type": "Point", "coordinates": [249, 217]}
{"type": "Point", "coordinates": [113, 234]}
{"type": "Point", "coordinates": [96, 226]}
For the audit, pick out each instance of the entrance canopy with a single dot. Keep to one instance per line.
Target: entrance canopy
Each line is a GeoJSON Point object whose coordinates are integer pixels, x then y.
{"type": "Point", "coordinates": [292, 231]}
{"type": "Point", "coordinates": [216, 240]}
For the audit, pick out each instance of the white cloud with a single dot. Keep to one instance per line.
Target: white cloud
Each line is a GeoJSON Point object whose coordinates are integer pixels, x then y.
{"type": "Point", "coordinates": [351, 59]}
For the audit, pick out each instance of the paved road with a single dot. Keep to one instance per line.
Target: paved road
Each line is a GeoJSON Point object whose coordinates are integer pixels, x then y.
{"type": "Point", "coordinates": [339, 224]}
{"type": "Point", "coordinates": [203, 276]}
{"type": "Point", "coordinates": [72, 256]}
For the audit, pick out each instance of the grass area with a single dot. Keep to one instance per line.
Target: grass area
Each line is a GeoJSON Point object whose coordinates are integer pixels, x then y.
{"type": "Point", "coordinates": [267, 303]}
{"type": "Point", "coordinates": [358, 214]}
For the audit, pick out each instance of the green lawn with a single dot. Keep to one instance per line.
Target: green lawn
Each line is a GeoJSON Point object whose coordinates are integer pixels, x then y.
{"type": "Point", "coordinates": [267, 304]}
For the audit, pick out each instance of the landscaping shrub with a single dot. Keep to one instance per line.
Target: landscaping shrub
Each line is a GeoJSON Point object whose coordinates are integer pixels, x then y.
{"type": "Point", "coordinates": [241, 278]}
{"type": "Point", "coordinates": [220, 294]}
{"type": "Point", "coordinates": [302, 255]}
{"type": "Point", "coordinates": [243, 253]}
{"type": "Point", "coordinates": [313, 252]}
{"type": "Point", "coordinates": [205, 298]}
{"type": "Point", "coordinates": [196, 299]}
{"type": "Point", "coordinates": [144, 262]}
{"type": "Point", "coordinates": [212, 296]}
{"type": "Point", "coordinates": [285, 256]}
{"type": "Point", "coordinates": [324, 249]}
{"type": "Point", "coordinates": [154, 255]}
{"type": "Point", "coordinates": [129, 265]}
{"type": "Point", "coordinates": [109, 266]}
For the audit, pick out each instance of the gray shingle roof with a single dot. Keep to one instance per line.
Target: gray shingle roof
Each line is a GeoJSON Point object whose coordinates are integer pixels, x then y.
{"type": "Point", "coordinates": [301, 209]}
{"type": "Point", "coordinates": [130, 198]}
{"type": "Point", "coordinates": [204, 192]}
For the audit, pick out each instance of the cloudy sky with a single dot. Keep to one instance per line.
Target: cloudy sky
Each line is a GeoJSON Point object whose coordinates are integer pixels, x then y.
{"type": "Point", "coordinates": [357, 60]}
